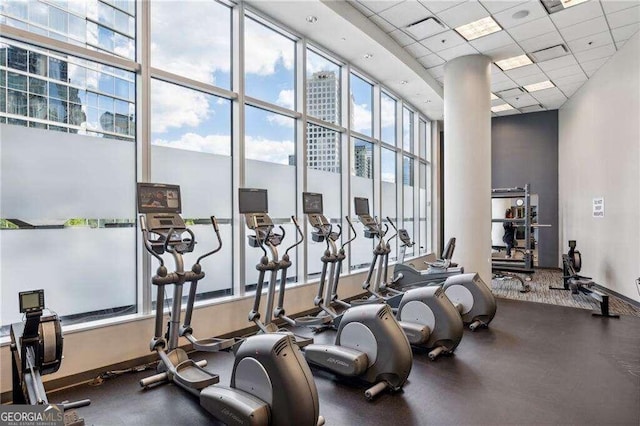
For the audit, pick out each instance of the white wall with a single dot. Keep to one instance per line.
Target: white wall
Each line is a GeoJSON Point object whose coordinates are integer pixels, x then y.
{"type": "Point", "coordinates": [599, 156]}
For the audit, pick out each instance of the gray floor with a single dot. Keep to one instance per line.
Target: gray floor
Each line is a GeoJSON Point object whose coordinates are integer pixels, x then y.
{"type": "Point", "coordinates": [536, 364]}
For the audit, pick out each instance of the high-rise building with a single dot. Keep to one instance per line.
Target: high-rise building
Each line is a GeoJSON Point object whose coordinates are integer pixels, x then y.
{"type": "Point", "coordinates": [323, 102]}
{"type": "Point", "coordinates": [363, 160]}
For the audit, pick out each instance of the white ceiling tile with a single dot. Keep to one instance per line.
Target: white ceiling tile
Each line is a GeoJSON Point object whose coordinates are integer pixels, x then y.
{"type": "Point", "coordinates": [504, 52]}
{"type": "Point", "coordinates": [463, 13]}
{"type": "Point", "coordinates": [495, 6]}
{"type": "Point", "coordinates": [570, 88]}
{"type": "Point", "coordinates": [583, 29]}
{"type": "Point", "coordinates": [401, 37]}
{"type": "Point", "coordinates": [554, 104]}
{"type": "Point", "coordinates": [531, 79]}
{"type": "Point", "coordinates": [454, 52]}
{"type": "Point", "coordinates": [532, 29]}
{"type": "Point", "coordinates": [495, 70]}
{"type": "Point", "coordinates": [611, 6]}
{"type": "Point", "coordinates": [492, 41]}
{"type": "Point", "coordinates": [552, 93]}
{"type": "Point", "coordinates": [523, 71]}
{"type": "Point", "coordinates": [431, 61]}
{"type": "Point", "coordinates": [405, 13]}
{"type": "Point", "coordinates": [377, 6]}
{"type": "Point", "coordinates": [382, 23]}
{"type": "Point", "coordinates": [495, 102]}
{"type": "Point", "coordinates": [417, 50]}
{"type": "Point", "coordinates": [597, 53]}
{"type": "Point", "coordinates": [563, 72]}
{"type": "Point", "coordinates": [362, 8]}
{"type": "Point", "coordinates": [437, 71]}
{"type": "Point", "coordinates": [625, 33]}
{"type": "Point", "coordinates": [541, 42]}
{"type": "Point", "coordinates": [440, 5]}
{"type": "Point", "coordinates": [499, 76]}
{"type": "Point", "coordinates": [522, 100]}
{"type": "Point", "coordinates": [507, 19]}
{"type": "Point", "coordinates": [557, 63]}
{"type": "Point", "coordinates": [575, 78]}
{"type": "Point", "coordinates": [576, 14]}
{"type": "Point", "coordinates": [442, 41]}
{"type": "Point", "coordinates": [593, 65]}
{"type": "Point", "coordinates": [624, 17]}
{"type": "Point", "coordinates": [591, 42]}
{"type": "Point", "coordinates": [502, 85]}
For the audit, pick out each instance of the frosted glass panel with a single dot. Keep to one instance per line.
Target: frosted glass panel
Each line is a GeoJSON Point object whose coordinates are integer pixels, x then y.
{"type": "Point", "coordinates": [362, 248]}
{"type": "Point", "coordinates": [328, 184]}
{"type": "Point", "coordinates": [52, 177]}
{"type": "Point", "coordinates": [80, 269]}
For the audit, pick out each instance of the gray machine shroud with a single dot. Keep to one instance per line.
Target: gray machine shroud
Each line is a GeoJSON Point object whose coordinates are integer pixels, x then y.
{"type": "Point", "coordinates": [476, 300]}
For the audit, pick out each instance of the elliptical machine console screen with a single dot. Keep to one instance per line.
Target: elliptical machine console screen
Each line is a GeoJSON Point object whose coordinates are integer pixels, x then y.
{"type": "Point", "coordinates": [362, 206]}
{"type": "Point", "coordinates": [311, 203]}
{"type": "Point", "coordinates": [159, 198]}
{"type": "Point", "coordinates": [252, 200]}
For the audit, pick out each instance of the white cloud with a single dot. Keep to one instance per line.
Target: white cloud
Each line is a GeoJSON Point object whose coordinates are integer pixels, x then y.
{"type": "Point", "coordinates": [285, 99]}
{"type": "Point", "coordinates": [388, 177]}
{"type": "Point", "coordinates": [264, 48]}
{"type": "Point", "coordinates": [175, 106]}
{"type": "Point", "coordinates": [387, 112]}
{"type": "Point", "coordinates": [361, 118]}
{"type": "Point", "coordinates": [212, 144]}
{"type": "Point", "coordinates": [281, 120]}
{"type": "Point", "coordinates": [268, 150]}
{"type": "Point", "coordinates": [198, 52]}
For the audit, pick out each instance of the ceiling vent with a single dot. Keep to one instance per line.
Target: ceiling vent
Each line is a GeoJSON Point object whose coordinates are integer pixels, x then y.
{"type": "Point", "coordinates": [554, 6]}
{"type": "Point", "coordinates": [425, 27]}
{"type": "Point", "coordinates": [511, 92]}
{"type": "Point", "coordinates": [550, 53]}
{"type": "Point", "coordinates": [532, 108]}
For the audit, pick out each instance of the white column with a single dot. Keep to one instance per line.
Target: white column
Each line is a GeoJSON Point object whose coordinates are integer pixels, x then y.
{"type": "Point", "coordinates": [467, 161]}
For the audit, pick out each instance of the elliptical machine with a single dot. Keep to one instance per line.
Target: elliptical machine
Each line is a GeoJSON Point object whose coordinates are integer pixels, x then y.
{"type": "Point", "coordinates": [253, 204]}
{"type": "Point", "coordinates": [36, 350]}
{"type": "Point", "coordinates": [271, 384]}
{"type": "Point", "coordinates": [406, 275]}
{"type": "Point", "coordinates": [426, 315]}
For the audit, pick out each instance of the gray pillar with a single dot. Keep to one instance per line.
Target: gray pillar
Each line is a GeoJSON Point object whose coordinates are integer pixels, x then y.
{"type": "Point", "coordinates": [467, 161]}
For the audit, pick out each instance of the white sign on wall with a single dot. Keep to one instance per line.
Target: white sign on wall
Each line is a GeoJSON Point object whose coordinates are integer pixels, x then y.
{"type": "Point", "coordinates": [598, 207]}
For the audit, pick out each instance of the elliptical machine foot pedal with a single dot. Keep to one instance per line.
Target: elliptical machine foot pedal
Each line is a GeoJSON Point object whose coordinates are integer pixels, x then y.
{"type": "Point", "coordinates": [191, 375]}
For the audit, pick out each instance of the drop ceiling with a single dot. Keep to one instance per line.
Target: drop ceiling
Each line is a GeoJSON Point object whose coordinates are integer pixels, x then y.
{"type": "Point", "coordinates": [409, 42]}
{"type": "Point", "coordinates": [583, 38]}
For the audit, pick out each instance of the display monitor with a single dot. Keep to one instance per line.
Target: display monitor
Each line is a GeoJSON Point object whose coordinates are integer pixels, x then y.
{"type": "Point", "coordinates": [311, 203]}
{"type": "Point", "coordinates": [31, 300]}
{"type": "Point", "coordinates": [159, 198]}
{"type": "Point", "coordinates": [362, 206]}
{"type": "Point", "coordinates": [253, 200]}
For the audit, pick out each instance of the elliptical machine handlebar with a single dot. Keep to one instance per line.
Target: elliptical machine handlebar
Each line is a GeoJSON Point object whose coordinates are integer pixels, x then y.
{"type": "Point", "coordinates": [147, 243]}
{"type": "Point", "coordinates": [355, 235]}
{"type": "Point", "coordinates": [216, 228]}
{"type": "Point", "coordinates": [295, 222]}
{"type": "Point", "coordinates": [395, 234]}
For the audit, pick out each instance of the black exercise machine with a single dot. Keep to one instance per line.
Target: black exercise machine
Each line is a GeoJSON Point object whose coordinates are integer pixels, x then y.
{"type": "Point", "coordinates": [571, 265]}
{"type": "Point", "coordinates": [36, 350]}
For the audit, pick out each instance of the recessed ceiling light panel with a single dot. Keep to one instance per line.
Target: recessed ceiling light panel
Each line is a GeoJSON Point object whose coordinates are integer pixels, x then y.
{"type": "Point", "coordinates": [494, 97]}
{"type": "Point", "coordinates": [479, 28]}
{"type": "Point", "coordinates": [500, 108]}
{"type": "Point", "coordinates": [539, 86]}
{"type": "Point", "coordinates": [514, 62]}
